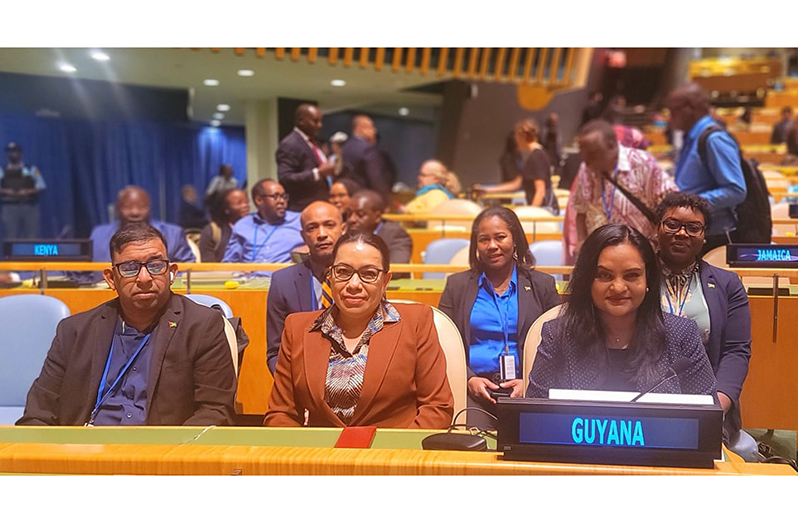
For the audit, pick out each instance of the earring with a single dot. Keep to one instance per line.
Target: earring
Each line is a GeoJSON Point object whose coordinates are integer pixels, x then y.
{"type": "Point", "coordinates": [646, 289]}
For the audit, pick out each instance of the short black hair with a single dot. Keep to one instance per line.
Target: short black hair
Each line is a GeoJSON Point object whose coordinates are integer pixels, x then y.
{"type": "Point", "coordinates": [603, 127]}
{"type": "Point", "coordinates": [135, 232]}
{"type": "Point", "coordinates": [522, 254]}
{"type": "Point", "coordinates": [258, 190]}
{"type": "Point", "coordinates": [687, 200]}
{"type": "Point", "coordinates": [368, 238]}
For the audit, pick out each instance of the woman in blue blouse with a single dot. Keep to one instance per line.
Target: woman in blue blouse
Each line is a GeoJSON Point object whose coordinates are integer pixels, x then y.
{"type": "Point", "coordinates": [493, 306]}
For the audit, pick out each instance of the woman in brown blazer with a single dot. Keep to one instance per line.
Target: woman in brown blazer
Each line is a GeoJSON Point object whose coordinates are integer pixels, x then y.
{"type": "Point", "coordinates": [363, 361]}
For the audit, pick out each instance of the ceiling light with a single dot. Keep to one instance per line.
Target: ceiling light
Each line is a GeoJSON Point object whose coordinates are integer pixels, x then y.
{"type": "Point", "coordinates": [67, 68]}
{"type": "Point", "coordinates": [218, 116]}
{"type": "Point", "coordinates": [246, 72]}
{"type": "Point", "coordinates": [338, 83]}
{"type": "Point", "coordinates": [404, 111]}
{"type": "Point", "coordinates": [100, 56]}
{"type": "Point", "coordinates": [211, 82]}
{"type": "Point", "coordinates": [216, 123]}
{"type": "Point", "coordinates": [222, 107]}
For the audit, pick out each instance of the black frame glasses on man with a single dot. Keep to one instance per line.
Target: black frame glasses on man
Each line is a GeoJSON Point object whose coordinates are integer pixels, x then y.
{"type": "Point", "coordinates": [344, 272]}
{"type": "Point", "coordinates": [277, 196]}
{"type": "Point", "coordinates": [131, 269]}
{"type": "Point", "coordinates": [673, 226]}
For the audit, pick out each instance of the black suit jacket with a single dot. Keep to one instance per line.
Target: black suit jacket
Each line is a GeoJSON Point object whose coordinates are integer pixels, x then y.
{"type": "Point", "coordinates": [191, 379]}
{"type": "Point", "coordinates": [291, 290]}
{"type": "Point", "coordinates": [364, 164]}
{"type": "Point", "coordinates": [537, 293]}
{"type": "Point", "coordinates": [295, 163]}
{"type": "Point", "coordinates": [399, 242]}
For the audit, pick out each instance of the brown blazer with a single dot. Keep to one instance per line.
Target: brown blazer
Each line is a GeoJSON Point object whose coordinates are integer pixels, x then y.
{"type": "Point", "coordinates": [404, 385]}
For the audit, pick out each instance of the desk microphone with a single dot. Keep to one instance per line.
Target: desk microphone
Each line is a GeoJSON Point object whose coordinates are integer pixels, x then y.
{"type": "Point", "coordinates": [679, 366]}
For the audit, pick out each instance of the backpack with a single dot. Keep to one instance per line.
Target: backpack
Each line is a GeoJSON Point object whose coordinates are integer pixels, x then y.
{"type": "Point", "coordinates": [754, 222]}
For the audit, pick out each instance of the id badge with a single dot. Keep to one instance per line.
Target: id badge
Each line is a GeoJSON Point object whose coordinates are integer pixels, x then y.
{"type": "Point", "coordinates": [507, 367]}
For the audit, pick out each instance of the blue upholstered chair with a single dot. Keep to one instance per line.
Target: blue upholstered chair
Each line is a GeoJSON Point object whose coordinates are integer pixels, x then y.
{"type": "Point", "coordinates": [27, 328]}
{"type": "Point", "coordinates": [210, 301]}
{"type": "Point", "coordinates": [548, 252]}
{"type": "Point", "coordinates": [441, 252]}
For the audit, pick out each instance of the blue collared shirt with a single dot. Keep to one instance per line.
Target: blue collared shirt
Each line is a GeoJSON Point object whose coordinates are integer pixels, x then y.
{"type": "Point", "coordinates": [127, 404]}
{"type": "Point", "coordinates": [722, 184]}
{"type": "Point", "coordinates": [175, 236]}
{"type": "Point", "coordinates": [254, 240]}
{"type": "Point", "coordinates": [493, 318]}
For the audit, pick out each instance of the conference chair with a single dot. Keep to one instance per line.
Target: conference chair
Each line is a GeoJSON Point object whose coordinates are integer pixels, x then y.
{"type": "Point", "coordinates": [229, 331]}
{"type": "Point", "coordinates": [441, 252]}
{"type": "Point", "coordinates": [28, 323]}
{"type": "Point", "coordinates": [193, 244]}
{"type": "Point", "coordinates": [781, 210]}
{"type": "Point", "coordinates": [461, 258]}
{"type": "Point", "coordinates": [529, 211]}
{"type": "Point", "coordinates": [533, 340]}
{"type": "Point", "coordinates": [456, 207]}
{"type": "Point", "coordinates": [547, 252]}
{"type": "Point", "coordinates": [454, 351]}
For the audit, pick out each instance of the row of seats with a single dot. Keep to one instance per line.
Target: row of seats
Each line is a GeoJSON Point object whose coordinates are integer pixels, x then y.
{"type": "Point", "coordinates": [29, 323]}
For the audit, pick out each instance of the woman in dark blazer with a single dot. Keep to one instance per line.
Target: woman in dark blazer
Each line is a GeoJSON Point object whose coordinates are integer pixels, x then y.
{"type": "Point", "coordinates": [714, 298]}
{"type": "Point", "coordinates": [494, 304]}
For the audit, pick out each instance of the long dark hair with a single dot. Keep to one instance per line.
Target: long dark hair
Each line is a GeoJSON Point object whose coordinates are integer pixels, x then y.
{"type": "Point", "coordinates": [580, 320]}
{"type": "Point", "coordinates": [522, 255]}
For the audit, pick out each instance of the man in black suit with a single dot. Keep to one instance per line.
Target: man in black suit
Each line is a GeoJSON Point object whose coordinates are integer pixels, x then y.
{"type": "Point", "coordinates": [302, 168]}
{"type": "Point", "coordinates": [782, 127]}
{"type": "Point", "coordinates": [365, 214]}
{"type": "Point", "coordinates": [363, 163]}
{"type": "Point", "coordinates": [148, 357]}
{"type": "Point", "coordinates": [300, 287]}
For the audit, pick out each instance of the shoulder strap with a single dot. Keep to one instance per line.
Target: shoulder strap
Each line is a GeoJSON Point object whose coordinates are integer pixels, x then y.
{"type": "Point", "coordinates": [648, 213]}
{"type": "Point", "coordinates": [702, 141]}
{"type": "Point", "coordinates": [216, 233]}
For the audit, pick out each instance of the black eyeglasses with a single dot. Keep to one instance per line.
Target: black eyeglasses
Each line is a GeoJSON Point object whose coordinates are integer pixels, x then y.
{"type": "Point", "coordinates": [673, 226]}
{"type": "Point", "coordinates": [344, 272]}
{"type": "Point", "coordinates": [130, 269]}
{"type": "Point", "coordinates": [277, 196]}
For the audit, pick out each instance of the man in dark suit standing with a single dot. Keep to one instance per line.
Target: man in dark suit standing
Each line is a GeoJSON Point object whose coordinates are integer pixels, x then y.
{"type": "Point", "coordinates": [302, 168]}
{"type": "Point", "coordinates": [301, 287]}
{"type": "Point", "coordinates": [363, 163]}
{"type": "Point", "coordinates": [365, 214]}
{"type": "Point", "coordinates": [148, 357]}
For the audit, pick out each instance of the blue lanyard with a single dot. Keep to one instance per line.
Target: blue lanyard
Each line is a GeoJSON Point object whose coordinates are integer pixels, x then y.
{"type": "Point", "coordinates": [255, 247]}
{"type": "Point", "coordinates": [683, 300]}
{"type": "Point", "coordinates": [609, 205]}
{"type": "Point", "coordinates": [502, 318]}
{"type": "Point", "coordinates": [102, 394]}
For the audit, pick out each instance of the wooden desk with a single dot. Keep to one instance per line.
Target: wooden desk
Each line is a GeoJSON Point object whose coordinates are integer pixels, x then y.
{"type": "Point", "coordinates": [224, 451]}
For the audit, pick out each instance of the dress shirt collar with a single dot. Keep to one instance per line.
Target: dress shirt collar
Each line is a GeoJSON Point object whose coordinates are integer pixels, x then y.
{"type": "Point", "coordinates": [485, 282]}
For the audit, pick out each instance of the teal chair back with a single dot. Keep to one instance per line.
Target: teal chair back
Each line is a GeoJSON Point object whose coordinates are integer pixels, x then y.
{"type": "Point", "coordinates": [27, 323]}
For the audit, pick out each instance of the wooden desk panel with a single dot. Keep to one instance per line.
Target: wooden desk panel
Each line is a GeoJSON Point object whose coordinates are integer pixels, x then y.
{"type": "Point", "coordinates": [770, 393]}
{"type": "Point", "coordinates": [225, 451]}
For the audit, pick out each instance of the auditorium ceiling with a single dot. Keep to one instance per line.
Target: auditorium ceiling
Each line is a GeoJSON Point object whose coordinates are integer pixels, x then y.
{"type": "Point", "coordinates": [365, 89]}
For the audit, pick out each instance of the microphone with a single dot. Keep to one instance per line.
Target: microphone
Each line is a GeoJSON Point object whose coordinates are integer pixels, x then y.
{"type": "Point", "coordinates": [679, 366]}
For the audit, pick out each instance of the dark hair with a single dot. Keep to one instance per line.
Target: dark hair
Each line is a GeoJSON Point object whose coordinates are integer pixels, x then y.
{"type": "Point", "coordinates": [580, 320]}
{"type": "Point", "coordinates": [603, 127]}
{"type": "Point", "coordinates": [368, 238]}
{"type": "Point", "coordinates": [522, 254]}
{"type": "Point", "coordinates": [350, 185]}
{"type": "Point", "coordinates": [216, 203]}
{"type": "Point", "coordinates": [135, 232]}
{"type": "Point", "coordinates": [374, 199]}
{"type": "Point", "coordinates": [687, 200]}
{"type": "Point", "coordinates": [258, 190]}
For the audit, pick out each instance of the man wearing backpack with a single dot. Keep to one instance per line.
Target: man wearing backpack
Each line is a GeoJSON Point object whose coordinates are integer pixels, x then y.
{"type": "Point", "coordinates": [718, 177]}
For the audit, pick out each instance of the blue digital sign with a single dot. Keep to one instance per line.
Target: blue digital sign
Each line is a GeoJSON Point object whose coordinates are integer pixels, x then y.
{"type": "Point", "coordinates": [607, 431]}
{"type": "Point", "coordinates": [46, 249]}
